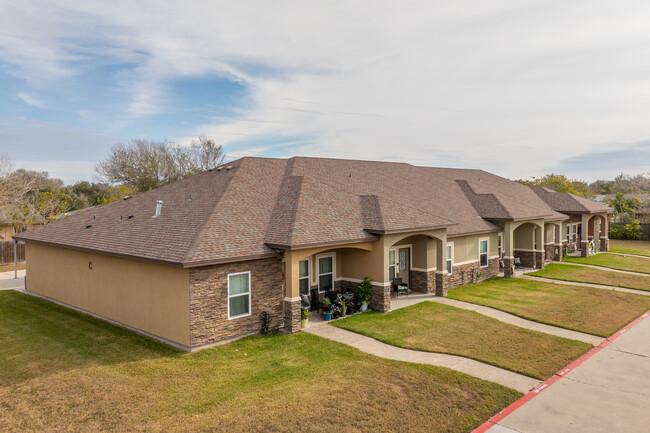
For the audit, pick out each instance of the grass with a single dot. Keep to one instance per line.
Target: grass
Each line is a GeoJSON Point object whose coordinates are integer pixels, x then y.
{"type": "Point", "coordinates": [433, 327]}
{"type": "Point", "coordinates": [591, 275]}
{"type": "Point", "coordinates": [641, 248]}
{"type": "Point", "coordinates": [614, 261]}
{"type": "Point", "coordinates": [585, 309]}
{"type": "Point", "coordinates": [64, 371]}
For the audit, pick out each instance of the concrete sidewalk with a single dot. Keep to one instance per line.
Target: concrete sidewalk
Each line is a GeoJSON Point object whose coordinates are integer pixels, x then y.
{"type": "Point", "coordinates": [475, 368]}
{"type": "Point", "coordinates": [522, 323]}
{"type": "Point", "coordinates": [609, 392]}
{"type": "Point", "coordinates": [597, 286]}
{"type": "Point", "coordinates": [8, 282]}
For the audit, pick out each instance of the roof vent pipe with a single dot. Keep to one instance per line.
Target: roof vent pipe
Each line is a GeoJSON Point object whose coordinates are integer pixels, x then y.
{"type": "Point", "coordinates": [158, 208]}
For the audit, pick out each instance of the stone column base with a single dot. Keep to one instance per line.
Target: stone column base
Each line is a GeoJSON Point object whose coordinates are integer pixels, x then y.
{"type": "Point", "coordinates": [539, 259]}
{"type": "Point", "coordinates": [441, 289]}
{"type": "Point", "coordinates": [380, 300]}
{"type": "Point", "coordinates": [557, 253]}
{"type": "Point", "coordinates": [508, 266]}
{"type": "Point", "coordinates": [291, 315]}
{"type": "Point", "coordinates": [422, 282]}
{"type": "Point", "coordinates": [604, 244]}
{"type": "Point", "coordinates": [584, 247]}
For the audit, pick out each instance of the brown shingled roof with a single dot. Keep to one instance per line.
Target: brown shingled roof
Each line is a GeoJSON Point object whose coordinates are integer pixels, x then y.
{"type": "Point", "coordinates": [566, 202]}
{"type": "Point", "coordinates": [260, 205]}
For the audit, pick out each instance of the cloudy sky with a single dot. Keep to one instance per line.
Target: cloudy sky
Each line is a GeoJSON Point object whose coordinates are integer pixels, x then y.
{"type": "Point", "coordinates": [516, 87]}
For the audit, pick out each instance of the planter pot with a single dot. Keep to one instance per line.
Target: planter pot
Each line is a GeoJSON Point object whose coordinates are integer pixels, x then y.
{"type": "Point", "coordinates": [303, 323]}
{"type": "Point", "coordinates": [364, 306]}
{"type": "Point", "coordinates": [327, 316]}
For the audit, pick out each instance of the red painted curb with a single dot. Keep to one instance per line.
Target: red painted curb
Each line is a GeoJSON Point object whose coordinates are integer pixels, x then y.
{"type": "Point", "coordinates": [535, 392]}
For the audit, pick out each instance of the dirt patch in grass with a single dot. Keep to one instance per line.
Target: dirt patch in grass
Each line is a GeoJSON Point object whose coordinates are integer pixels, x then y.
{"type": "Point", "coordinates": [433, 327]}
{"type": "Point", "coordinates": [641, 248]}
{"type": "Point", "coordinates": [276, 383]}
{"type": "Point", "coordinates": [7, 268]}
{"type": "Point", "coordinates": [592, 275]}
{"type": "Point", "coordinates": [585, 309]}
{"type": "Point", "coordinates": [614, 261]}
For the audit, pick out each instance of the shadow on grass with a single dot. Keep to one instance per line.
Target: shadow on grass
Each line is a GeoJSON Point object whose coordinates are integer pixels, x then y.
{"type": "Point", "coordinates": [41, 338]}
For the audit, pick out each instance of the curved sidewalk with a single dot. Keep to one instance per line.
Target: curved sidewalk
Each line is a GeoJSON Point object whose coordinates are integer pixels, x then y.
{"type": "Point", "coordinates": [631, 255]}
{"type": "Point", "coordinates": [511, 319]}
{"type": "Point", "coordinates": [577, 283]}
{"type": "Point", "coordinates": [469, 366]}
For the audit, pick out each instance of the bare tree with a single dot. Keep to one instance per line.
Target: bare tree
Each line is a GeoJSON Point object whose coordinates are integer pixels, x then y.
{"type": "Point", "coordinates": [146, 164]}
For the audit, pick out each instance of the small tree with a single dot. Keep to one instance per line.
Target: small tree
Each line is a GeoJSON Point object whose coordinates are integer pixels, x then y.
{"type": "Point", "coordinates": [633, 230]}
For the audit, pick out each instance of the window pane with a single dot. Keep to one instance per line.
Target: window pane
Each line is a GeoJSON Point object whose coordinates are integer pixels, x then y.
{"type": "Point", "coordinates": [391, 257]}
{"type": "Point", "coordinates": [483, 245]}
{"type": "Point", "coordinates": [238, 284]}
{"type": "Point", "coordinates": [449, 266]}
{"type": "Point", "coordinates": [391, 273]}
{"type": "Point", "coordinates": [304, 268]}
{"type": "Point", "coordinates": [325, 282]}
{"type": "Point", "coordinates": [499, 240]}
{"type": "Point", "coordinates": [484, 259]}
{"type": "Point", "coordinates": [448, 251]}
{"type": "Point", "coordinates": [238, 305]}
{"type": "Point", "coordinates": [324, 265]}
{"type": "Point", "coordinates": [304, 286]}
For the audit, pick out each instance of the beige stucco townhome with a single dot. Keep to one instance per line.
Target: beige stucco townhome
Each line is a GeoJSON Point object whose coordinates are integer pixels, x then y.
{"type": "Point", "coordinates": [196, 262]}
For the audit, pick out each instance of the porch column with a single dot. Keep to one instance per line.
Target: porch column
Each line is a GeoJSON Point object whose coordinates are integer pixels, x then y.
{"type": "Point", "coordinates": [584, 235]}
{"type": "Point", "coordinates": [539, 251]}
{"type": "Point", "coordinates": [604, 234]}
{"type": "Point", "coordinates": [508, 250]}
{"type": "Point", "coordinates": [291, 294]}
{"type": "Point", "coordinates": [557, 253]}
{"type": "Point", "coordinates": [441, 266]}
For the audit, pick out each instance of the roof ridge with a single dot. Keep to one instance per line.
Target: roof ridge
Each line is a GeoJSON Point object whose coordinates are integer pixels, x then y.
{"type": "Point", "coordinates": [517, 199]}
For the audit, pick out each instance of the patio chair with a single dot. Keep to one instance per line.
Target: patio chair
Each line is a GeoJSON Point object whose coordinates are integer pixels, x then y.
{"type": "Point", "coordinates": [400, 287]}
{"type": "Point", "coordinates": [315, 302]}
{"type": "Point", "coordinates": [518, 263]}
{"type": "Point", "coordinates": [304, 302]}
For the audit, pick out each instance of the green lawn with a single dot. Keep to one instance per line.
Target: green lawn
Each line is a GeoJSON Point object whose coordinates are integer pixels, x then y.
{"type": "Point", "coordinates": [591, 275]}
{"type": "Point", "coordinates": [434, 327]}
{"type": "Point", "coordinates": [614, 261]}
{"type": "Point", "coordinates": [641, 248]}
{"type": "Point", "coordinates": [594, 311]}
{"type": "Point", "coordinates": [64, 371]}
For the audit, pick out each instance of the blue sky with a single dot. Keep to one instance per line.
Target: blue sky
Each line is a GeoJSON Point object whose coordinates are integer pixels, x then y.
{"type": "Point", "coordinates": [516, 87]}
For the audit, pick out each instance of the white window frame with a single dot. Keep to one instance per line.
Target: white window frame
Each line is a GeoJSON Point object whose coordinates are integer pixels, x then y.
{"type": "Point", "coordinates": [250, 296]}
{"type": "Point", "coordinates": [568, 233]}
{"type": "Point", "coordinates": [500, 246]}
{"type": "Point", "coordinates": [449, 261]}
{"type": "Point", "coordinates": [574, 236]}
{"type": "Point", "coordinates": [333, 273]}
{"type": "Point", "coordinates": [487, 252]}
{"type": "Point", "coordinates": [308, 277]}
{"type": "Point", "coordinates": [394, 265]}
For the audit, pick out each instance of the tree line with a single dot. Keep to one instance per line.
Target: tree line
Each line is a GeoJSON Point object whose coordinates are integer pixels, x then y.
{"type": "Point", "coordinates": [29, 197]}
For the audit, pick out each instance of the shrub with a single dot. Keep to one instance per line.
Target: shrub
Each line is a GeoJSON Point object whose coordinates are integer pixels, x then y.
{"type": "Point", "coordinates": [363, 291]}
{"type": "Point", "coordinates": [616, 231]}
{"type": "Point", "coordinates": [633, 230]}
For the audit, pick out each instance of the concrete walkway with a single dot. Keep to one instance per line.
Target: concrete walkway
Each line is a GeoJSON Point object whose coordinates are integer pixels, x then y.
{"type": "Point", "coordinates": [597, 286]}
{"type": "Point", "coordinates": [8, 282]}
{"type": "Point", "coordinates": [631, 255]}
{"type": "Point", "coordinates": [608, 392]}
{"type": "Point", "coordinates": [522, 323]}
{"type": "Point", "coordinates": [474, 368]}
{"type": "Point", "coordinates": [604, 268]}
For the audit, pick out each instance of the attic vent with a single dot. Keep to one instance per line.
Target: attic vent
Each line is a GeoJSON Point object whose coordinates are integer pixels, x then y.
{"type": "Point", "coordinates": [89, 226]}
{"type": "Point", "coordinates": [129, 217]}
{"type": "Point", "coordinates": [94, 217]}
{"type": "Point", "coordinates": [159, 204]}
{"type": "Point", "coordinates": [219, 168]}
{"type": "Point", "coordinates": [126, 197]}
{"type": "Point", "coordinates": [228, 168]}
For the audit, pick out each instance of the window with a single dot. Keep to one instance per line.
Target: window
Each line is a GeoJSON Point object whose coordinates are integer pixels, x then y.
{"type": "Point", "coordinates": [483, 252]}
{"type": "Point", "coordinates": [239, 295]}
{"type": "Point", "coordinates": [575, 233]}
{"type": "Point", "coordinates": [303, 276]}
{"type": "Point", "coordinates": [500, 250]}
{"type": "Point", "coordinates": [600, 227]}
{"type": "Point", "coordinates": [450, 258]}
{"type": "Point", "coordinates": [391, 265]}
{"type": "Point", "coordinates": [325, 273]}
{"type": "Point", "coordinates": [568, 234]}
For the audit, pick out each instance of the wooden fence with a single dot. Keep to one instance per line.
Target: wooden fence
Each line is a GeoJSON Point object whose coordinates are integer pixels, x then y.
{"type": "Point", "coordinates": [7, 252]}
{"type": "Point", "coordinates": [645, 231]}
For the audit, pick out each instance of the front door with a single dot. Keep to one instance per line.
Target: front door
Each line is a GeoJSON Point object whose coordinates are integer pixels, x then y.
{"type": "Point", "coordinates": [403, 264]}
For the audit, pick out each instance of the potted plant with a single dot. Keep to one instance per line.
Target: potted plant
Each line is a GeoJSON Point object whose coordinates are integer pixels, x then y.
{"type": "Point", "coordinates": [327, 309]}
{"type": "Point", "coordinates": [344, 302]}
{"type": "Point", "coordinates": [363, 293]}
{"type": "Point", "coordinates": [304, 318]}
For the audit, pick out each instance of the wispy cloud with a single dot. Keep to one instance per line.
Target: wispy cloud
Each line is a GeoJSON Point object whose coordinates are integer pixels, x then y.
{"type": "Point", "coordinates": [512, 86]}
{"type": "Point", "coordinates": [30, 100]}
